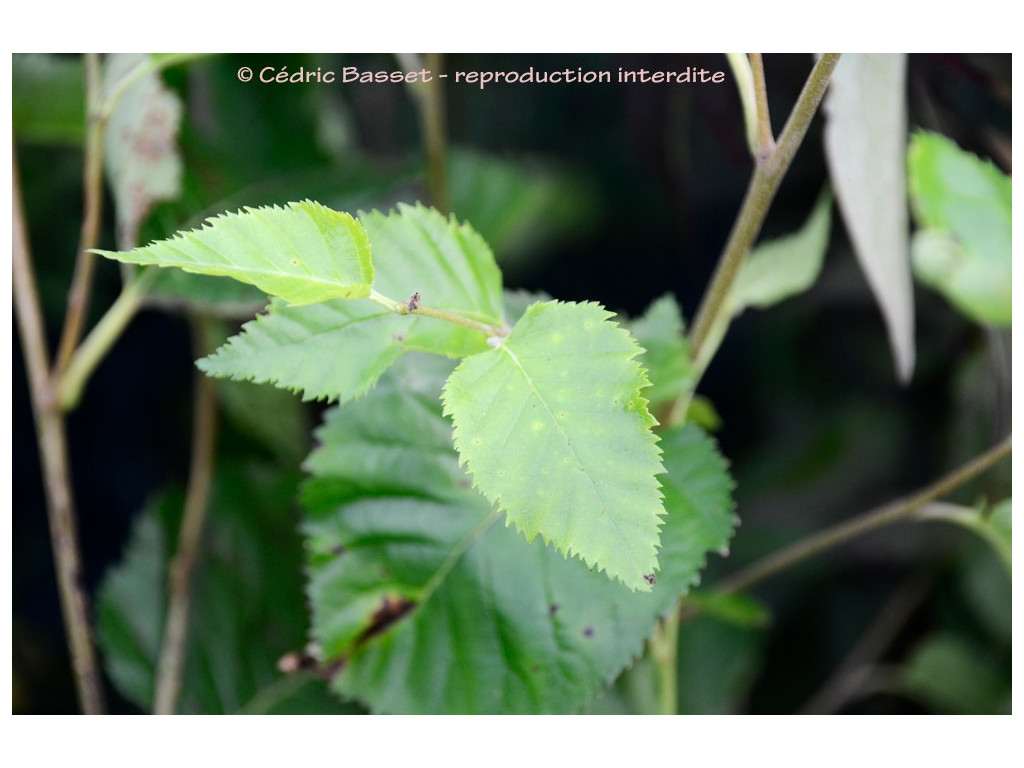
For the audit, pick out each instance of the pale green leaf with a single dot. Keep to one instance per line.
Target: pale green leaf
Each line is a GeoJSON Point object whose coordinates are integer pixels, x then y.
{"type": "Point", "coordinates": [140, 147]}
{"type": "Point", "coordinates": [247, 607]}
{"type": "Point", "coordinates": [787, 266]}
{"type": "Point", "coordinates": [48, 98]}
{"type": "Point", "coordinates": [865, 146]}
{"type": "Point", "coordinates": [302, 253]}
{"type": "Point", "coordinates": [553, 426]}
{"type": "Point", "coordinates": [423, 602]}
{"type": "Point", "coordinates": [666, 357]}
{"type": "Point", "coordinates": [964, 206]}
{"type": "Point", "coordinates": [338, 349]}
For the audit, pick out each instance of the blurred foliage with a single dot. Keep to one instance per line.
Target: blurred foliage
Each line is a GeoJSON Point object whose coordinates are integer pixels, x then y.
{"type": "Point", "coordinates": [568, 182]}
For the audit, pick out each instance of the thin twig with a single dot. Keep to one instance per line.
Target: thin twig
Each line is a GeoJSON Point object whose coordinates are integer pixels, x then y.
{"type": "Point", "coordinates": [867, 522]}
{"type": "Point", "coordinates": [57, 479]}
{"type": "Point", "coordinates": [843, 684]}
{"type": "Point", "coordinates": [435, 132]}
{"type": "Point", "coordinates": [765, 138]}
{"type": "Point", "coordinates": [81, 282]}
{"type": "Point", "coordinates": [99, 341]}
{"type": "Point", "coordinates": [172, 652]}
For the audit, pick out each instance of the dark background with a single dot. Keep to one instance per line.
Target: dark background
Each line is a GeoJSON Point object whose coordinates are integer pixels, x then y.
{"type": "Point", "coordinates": [813, 421]}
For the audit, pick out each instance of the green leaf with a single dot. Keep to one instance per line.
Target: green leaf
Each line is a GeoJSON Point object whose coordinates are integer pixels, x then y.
{"type": "Point", "coordinates": [140, 149]}
{"type": "Point", "coordinates": [741, 610]}
{"type": "Point", "coordinates": [247, 598]}
{"type": "Point", "coordinates": [48, 98]}
{"type": "Point", "coordinates": [952, 676]}
{"type": "Point", "coordinates": [718, 662]}
{"type": "Point", "coordinates": [303, 253]}
{"type": "Point", "coordinates": [424, 603]}
{"type": "Point", "coordinates": [554, 429]}
{"type": "Point", "coordinates": [964, 206]}
{"type": "Point", "coordinates": [865, 145]}
{"type": "Point", "coordinates": [661, 333]}
{"type": "Point", "coordinates": [520, 207]}
{"type": "Point", "coordinates": [785, 267]}
{"type": "Point", "coordinates": [338, 349]}
{"type": "Point", "coordinates": [995, 525]}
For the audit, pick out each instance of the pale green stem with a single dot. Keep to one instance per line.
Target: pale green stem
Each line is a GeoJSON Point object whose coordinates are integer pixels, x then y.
{"type": "Point", "coordinates": [144, 68]}
{"type": "Point", "coordinates": [664, 650]}
{"type": "Point", "coordinates": [403, 308]}
{"type": "Point", "coordinates": [99, 341]}
{"type": "Point", "coordinates": [765, 139]}
{"type": "Point", "coordinates": [85, 264]}
{"type": "Point", "coordinates": [744, 77]}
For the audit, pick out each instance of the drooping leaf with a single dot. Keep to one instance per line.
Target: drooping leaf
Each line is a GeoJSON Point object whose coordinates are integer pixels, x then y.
{"type": "Point", "coordinates": [995, 525]}
{"type": "Point", "coordinates": [140, 144]}
{"type": "Point", "coordinates": [302, 253]}
{"type": "Point", "coordinates": [787, 266]}
{"type": "Point", "coordinates": [865, 146]}
{"type": "Point", "coordinates": [661, 333]}
{"type": "Point", "coordinates": [424, 602]}
{"type": "Point", "coordinates": [338, 349]}
{"type": "Point", "coordinates": [48, 98]}
{"type": "Point", "coordinates": [554, 428]}
{"type": "Point", "coordinates": [247, 599]}
{"type": "Point", "coordinates": [964, 207]}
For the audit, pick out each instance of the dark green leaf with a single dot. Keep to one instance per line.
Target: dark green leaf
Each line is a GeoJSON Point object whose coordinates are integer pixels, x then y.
{"type": "Point", "coordinates": [48, 98]}
{"type": "Point", "coordinates": [247, 597]}
{"type": "Point", "coordinates": [425, 602]}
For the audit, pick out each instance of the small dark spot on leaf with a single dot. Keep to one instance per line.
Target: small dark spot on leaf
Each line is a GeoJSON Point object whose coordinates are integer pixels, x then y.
{"type": "Point", "coordinates": [650, 578]}
{"type": "Point", "coordinates": [553, 609]}
{"type": "Point", "coordinates": [534, 669]}
{"type": "Point", "coordinates": [398, 338]}
{"type": "Point", "coordinates": [338, 549]}
{"type": "Point", "coordinates": [588, 632]}
{"type": "Point", "coordinates": [391, 609]}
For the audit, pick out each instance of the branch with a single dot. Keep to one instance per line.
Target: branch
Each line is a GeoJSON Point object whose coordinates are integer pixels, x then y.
{"type": "Point", "coordinates": [171, 664]}
{"type": "Point", "coordinates": [56, 475]}
{"type": "Point", "coordinates": [768, 174]}
{"type": "Point", "coordinates": [81, 282]}
{"type": "Point", "coordinates": [99, 341]}
{"type": "Point", "coordinates": [765, 139]}
{"type": "Point", "coordinates": [894, 512]}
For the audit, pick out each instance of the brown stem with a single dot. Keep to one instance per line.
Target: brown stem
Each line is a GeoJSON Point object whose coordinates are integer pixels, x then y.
{"type": "Point", "coordinates": [81, 282]}
{"type": "Point", "coordinates": [768, 174]}
{"type": "Point", "coordinates": [171, 664]}
{"type": "Point", "coordinates": [56, 474]}
{"type": "Point", "coordinates": [435, 133]}
{"type": "Point", "coordinates": [880, 517]}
